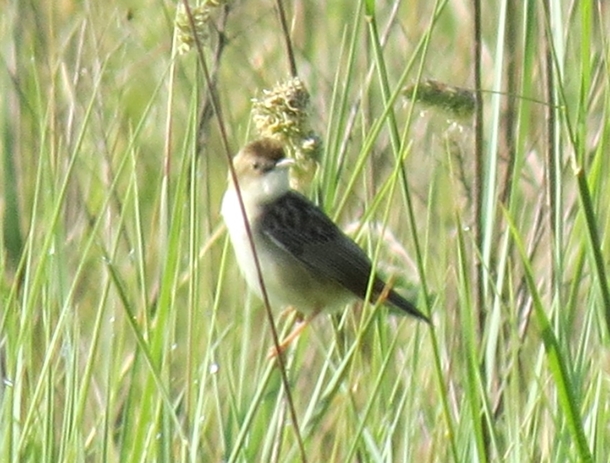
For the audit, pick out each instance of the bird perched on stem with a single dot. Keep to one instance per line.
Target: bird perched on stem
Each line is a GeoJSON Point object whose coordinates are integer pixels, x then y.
{"type": "Point", "coordinates": [306, 261]}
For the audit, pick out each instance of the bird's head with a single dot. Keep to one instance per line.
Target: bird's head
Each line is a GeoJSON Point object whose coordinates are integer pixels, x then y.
{"type": "Point", "coordinates": [262, 170]}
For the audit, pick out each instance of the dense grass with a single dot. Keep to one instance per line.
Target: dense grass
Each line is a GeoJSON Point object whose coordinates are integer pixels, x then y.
{"type": "Point", "coordinates": [126, 331]}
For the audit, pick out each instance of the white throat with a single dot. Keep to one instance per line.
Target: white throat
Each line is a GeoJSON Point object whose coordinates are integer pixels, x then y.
{"type": "Point", "coordinates": [255, 193]}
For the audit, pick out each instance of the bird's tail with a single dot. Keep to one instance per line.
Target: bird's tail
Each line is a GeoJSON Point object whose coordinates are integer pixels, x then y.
{"type": "Point", "coordinates": [400, 302]}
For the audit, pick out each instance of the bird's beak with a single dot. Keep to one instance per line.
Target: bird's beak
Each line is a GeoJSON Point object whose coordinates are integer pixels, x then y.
{"type": "Point", "coordinates": [284, 163]}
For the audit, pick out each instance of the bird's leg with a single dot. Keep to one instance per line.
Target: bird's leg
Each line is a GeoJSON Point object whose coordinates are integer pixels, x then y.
{"type": "Point", "coordinates": [274, 352]}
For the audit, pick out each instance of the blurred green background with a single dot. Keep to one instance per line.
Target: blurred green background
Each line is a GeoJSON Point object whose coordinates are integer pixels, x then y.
{"type": "Point", "coordinates": [126, 331]}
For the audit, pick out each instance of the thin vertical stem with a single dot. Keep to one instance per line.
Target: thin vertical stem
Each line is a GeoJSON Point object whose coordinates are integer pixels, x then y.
{"type": "Point", "coordinates": [554, 196]}
{"type": "Point", "coordinates": [511, 72]}
{"type": "Point", "coordinates": [289, 50]}
{"type": "Point", "coordinates": [478, 166]}
{"type": "Point", "coordinates": [478, 203]}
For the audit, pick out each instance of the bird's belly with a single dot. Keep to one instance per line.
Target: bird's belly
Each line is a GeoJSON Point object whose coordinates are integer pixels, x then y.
{"type": "Point", "coordinates": [287, 281]}
{"type": "Point", "coordinates": [291, 283]}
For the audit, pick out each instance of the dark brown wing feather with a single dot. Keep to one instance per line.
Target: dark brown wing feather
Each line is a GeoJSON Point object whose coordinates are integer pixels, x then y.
{"type": "Point", "coordinates": [297, 225]}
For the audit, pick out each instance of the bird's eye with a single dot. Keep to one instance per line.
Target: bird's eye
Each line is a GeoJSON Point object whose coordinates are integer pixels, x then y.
{"type": "Point", "coordinates": [256, 165]}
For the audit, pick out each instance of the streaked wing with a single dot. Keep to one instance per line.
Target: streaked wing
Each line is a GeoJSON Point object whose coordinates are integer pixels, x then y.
{"type": "Point", "coordinates": [295, 224]}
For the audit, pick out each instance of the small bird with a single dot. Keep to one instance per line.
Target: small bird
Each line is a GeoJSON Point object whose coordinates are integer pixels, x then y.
{"type": "Point", "coordinates": [306, 261]}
